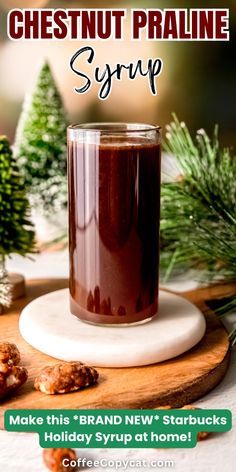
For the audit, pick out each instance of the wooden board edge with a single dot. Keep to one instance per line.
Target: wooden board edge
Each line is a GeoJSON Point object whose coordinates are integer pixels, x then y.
{"type": "Point", "coordinates": [196, 390]}
{"type": "Point", "coordinates": [188, 395]}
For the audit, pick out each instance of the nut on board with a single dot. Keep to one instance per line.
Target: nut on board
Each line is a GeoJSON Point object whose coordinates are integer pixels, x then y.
{"type": "Point", "coordinates": [9, 356]}
{"type": "Point", "coordinates": [11, 380]}
{"type": "Point", "coordinates": [65, 377]}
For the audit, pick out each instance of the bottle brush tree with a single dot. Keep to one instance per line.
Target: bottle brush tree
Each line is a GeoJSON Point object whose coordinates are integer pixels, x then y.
{"type": "Point", "coordinates": [16, 230]}
{"type": "Point", "coordinates": [40, 146]}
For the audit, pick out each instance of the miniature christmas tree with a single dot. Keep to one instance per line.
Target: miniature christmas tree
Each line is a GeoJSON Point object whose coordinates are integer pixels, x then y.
{"type": "Point", "coordinates": [5, 287]}
{"type": "Point", "coordinates": [40, 146]}
{"type": "Point", "coordinates": [16, 233]}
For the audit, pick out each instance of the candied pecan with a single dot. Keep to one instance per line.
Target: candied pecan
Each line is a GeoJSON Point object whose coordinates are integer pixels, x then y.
{"type": "Point", "coordinates": [189, 407]}
{"type": "Point", "coordinates": [53, 459]}
{"type": "Point", "coordinates": [9, 356]}
{"type": "Point", "coordinates": [167, 407]}
{"type": "Point", "coordinates": [12, 380]}
{"type": "Point", "coordinates": [202, 434]}
{"type": "Point", "coordinates": [65, 377]}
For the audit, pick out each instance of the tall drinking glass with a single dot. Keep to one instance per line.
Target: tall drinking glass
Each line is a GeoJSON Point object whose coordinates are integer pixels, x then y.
{"type": "Point", "coordinates": [114, 213]}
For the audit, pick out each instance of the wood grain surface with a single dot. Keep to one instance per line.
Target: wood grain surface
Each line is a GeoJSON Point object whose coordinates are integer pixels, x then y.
{"type": "Point", "coordinates": [17, 282]}
{"type": "Point", "coordinates": [175, 382]}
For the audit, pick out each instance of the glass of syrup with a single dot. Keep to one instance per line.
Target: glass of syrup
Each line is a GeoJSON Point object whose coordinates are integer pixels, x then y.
{"type": "Point", "coordinates": [114, 214]}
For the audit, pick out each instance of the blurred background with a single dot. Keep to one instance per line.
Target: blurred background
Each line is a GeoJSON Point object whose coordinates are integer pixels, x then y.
{"type": "Point", "coordinates": [198, 81]}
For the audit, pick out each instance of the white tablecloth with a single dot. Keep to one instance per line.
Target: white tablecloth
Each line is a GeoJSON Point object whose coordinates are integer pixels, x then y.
{"type": "Point", "coordinates": [21, 452]}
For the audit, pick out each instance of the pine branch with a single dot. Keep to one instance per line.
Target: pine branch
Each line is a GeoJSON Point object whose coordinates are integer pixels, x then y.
{"type": "Point", "coordinates": [232, 337]}
{"type": "Point", "coordinates": [198, 209]}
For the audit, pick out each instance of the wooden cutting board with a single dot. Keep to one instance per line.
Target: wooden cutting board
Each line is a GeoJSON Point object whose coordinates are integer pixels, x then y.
{"type": "Point", "coordinates": [175, 382]}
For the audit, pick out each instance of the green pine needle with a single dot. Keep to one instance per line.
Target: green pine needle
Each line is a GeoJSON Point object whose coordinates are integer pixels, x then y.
{"type": "Point", "coordinates": [198, 209]}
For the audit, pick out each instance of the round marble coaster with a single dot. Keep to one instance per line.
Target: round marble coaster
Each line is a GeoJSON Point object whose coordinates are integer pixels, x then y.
{"type": "Point", "coordinates": [47, 324]}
